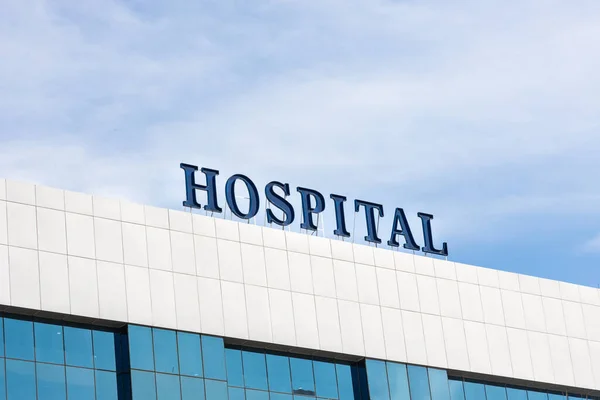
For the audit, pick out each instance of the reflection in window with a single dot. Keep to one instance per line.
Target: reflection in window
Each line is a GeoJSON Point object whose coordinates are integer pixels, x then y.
{"type": "Point", "coordinates": [474, 391]}
{"type": "Point", "coordinates": [278, 368]}
{"type": "Point", "coordinates": [235, 373]}
{"type": "Point", "coordinates": [438, 384]}
{"type": "Point", "coordinates": [78, 347]}
{"type": "Point", "coordinates": [140, 348]}
{"type": "Point", "coordinates": [256, 395]}
{"type": "Point", "coordinates": [104, 350]}
{"type": "Point", "coordinates": [255, 370]}
{"type": "Point", "coordinates": [49, 343]}
{"type": "Point", "coordinates": [534, 395]}
{"type": "Point", "coordinates": [344, 378]}
{"type": "Point", "coordinates": [165, 351]}
{"type": "Point", "coordinates": [213, 355]}
{"type": "Point", "coordinates": [494, 392]}
{"type": "Point", "coordinates": [143, 385]}
{"type": "Point", "coordinates": [419, 383]}
{"type": "Point", "coordinates": [106, 385]}
{"type": "Point", "coordinates": [192, 388]}
{"type": "Point", "coordinates": [456, 390]}
{"type": "Point", "coordinates": [378, 381]}
{"type": "Point", "coordinates": [302, 376]}
{"type": "Point", "coordinates": [237, 393]}
{"type": "Point", "coordinates": [50, 382]}
{"type": "Point", "coordinates": [2, 378]}
{"type": "Point", "coordinates": [190, 354]}
{"type": "Point", "coordinates": [80, 383]}
{"type": "Point", "coordinates": [19, 339]}
{"type": "Point", "coordinates": [1, 342]}
{"type": "Point", "coordinates": [398, 381]}
{"type": "Point", "coordinates": [516, 394]}
{"type": "Point", "coordinates": [325, 380]}
{"type": "Point", "coordinates": [20, 379]}
{"type": "Point", "coordinates": [215, 390]}
{"type": "Point", "coordinates": [167, 387]}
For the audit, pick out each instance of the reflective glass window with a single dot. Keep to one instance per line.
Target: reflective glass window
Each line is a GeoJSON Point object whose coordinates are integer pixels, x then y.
{"type": "Point", "coordinates": [419, 383]}
{"type": "Point", "coordinates": [143, 385]}
{"type": "Point", "coordinates": [474, 391]}
{"type": "Point", "coordinates": [235, 373]}
{"type": "Point", "coordinates": [104, 350]}
{"type": "Point", "coordinates": [1, 339]}
{"type": "Point", "coordinates": [280, 396]}
{"type": "Point", "coordinates": [20, 379]}
{"type": "Point", "coordinates": [106, 385]}
{"type": "Point", "coordinates": [167, 387]}
{"type": "Point", "coordinates": [51, 382]}
{"type": "Point", "coordinates": [2, 378]}
{"type": "Point", "coordinates": [190, 355]}
{"type": "Point", "coordinates": [237, 393]}
{"type": "Point", "coordinates": [278, 370]}
{"type": "Point", "coordinates": [534, 395]}
{"type": "Point", "coordinates": [456, 390]}
{"type": "Point", "coordinates": [344, 378]}
{"type": "Point", "coordinates": [516, 394]}
{"type": "Point", "coordinates": [215, 390]}
{"type": "Point", "coordinates": [554, 396]}
{"type": "Point", "coordinates": [80, 383]}
{"type": "Point", "coordinates": [192, 388]}
{"type": "Point", "coordinates": [494, 392]}
{"type": "Point", "coordinates": [302, 376]}
{"type": "Point", "coordinates": [165, 351]}
{"type": "Point", "coordinates": [325, 380]}
{"type": "Point", "coordinates": [255, 370]}
{"type": "Point", "coordinates": [18, 336]}
{"type": "Point", "coordinates": [78, 347]}
{"type": "Point", "coordinates": [438, 384]}
{"type": "Point", "coordinates": [213, 355]}
{"type": "Point", "coordinates": [257, 395]}
{"type": "Point", "coordinates": [378, 381]}
{"type": "Point", "coordinates": [49, 343]}
{"type": "Point", "coordinates": [140, 348]}
{"type": "Point", "coordinates": [398, 381]}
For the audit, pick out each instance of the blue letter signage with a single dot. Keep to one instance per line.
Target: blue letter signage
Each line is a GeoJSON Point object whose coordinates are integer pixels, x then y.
{"type": "Point", "coordinates": [312, 202]}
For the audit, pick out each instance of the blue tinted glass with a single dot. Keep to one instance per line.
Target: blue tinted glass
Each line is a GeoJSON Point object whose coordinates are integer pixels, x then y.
{"type": "Point", "coordinates": [80, 383]}
{"type": "Point", "coordinates": [20, 379]}
{"type": "Point", "coordinates": [51, 382]}
{"type": "Point", "coordinates": [190, 355]}
{"type": "Point", "coordinates": [344, 378]}
{"type": "Point", "coordinates": [140, 348]}
{"type": "Point", "coordinates": [531, 395]}
{"type": "Point", "coordinates": [104, 350]}
{"type": "Point", "coordinates": [1, 341]}
{"type": "Point", "coordinates": [213, 355]}
{"type": "Point", "coordinates": [165, 351]}
{"type": "Point", "coordinates": [302, 376]}
{"type": "Point", "coordinates": [398, 381]}
{"type": "Point", "coordinates": [474, 391]}
{"type": "Point", "coordinates": [235, 374]}
{"type": "Point", "coordinates": [325, 380]}
{"type": "Point", "coordinates": [167, 387]}
{"type": "Point", "coordinates": [18, 336]}
{"type": "Point", "coordinates": [236, 393]}
{"type": "Point", "coordinates": [2, 378]}
{"type": "Point", "coordinates": [493, 392]}
{"type": "Point", "coordinates": [192, 388]}
{"type": "Point", "coordinates": [438, 384]}
{"type": "Point", "coordinates": [516, 394]}
{"type": "Point", "coordinates": [257, 395]}
{"type": "Point", "coordinates": [106, 385]}
{"type": "Point", "coordinates": [456, 390]}
{"type": "Point", "coordinates": [279, 396]}
{"type": "Point", "coordinates": [378, 381]}
{"type": "Point", "coordinates": [419, 384]}
{"type": "Point", "coordinates": [552, 396]}
{"type": "Point", "coordinates": [215, 390]}
{"type": "Point", "coordinates": [78, 347]}
{"type": "Point", "coordinates": [49, 343]}
{"type": "Point", "coordinates": [278, 369]}
{"type": "Point", "coordinates": [143, 385]}
{"type": "Point", "coordinates": [255, 370]}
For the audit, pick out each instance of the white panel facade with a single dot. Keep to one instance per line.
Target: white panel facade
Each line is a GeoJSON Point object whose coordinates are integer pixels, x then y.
{"type": "Point", "coordinates": [76, 254]}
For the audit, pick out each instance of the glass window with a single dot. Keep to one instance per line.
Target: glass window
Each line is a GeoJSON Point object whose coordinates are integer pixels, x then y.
{"type": "Point", "coordinates": [190, 355]}
{"type": "Point", "coordinates": [140, 348]}
{"type": "Point", "coordinates": [279, 396]}
{"type": "Point", "coordinates": [192, 388]}
{"type": "Point", "coordinates": [165, 351]}
{"type": "Point", "coordinates": [167, 387]}
{"type": "Point", "coordinates": [2, 375]}
{"type": "Point", "coordinates": [49, 343]}
{"type": "Point", "coordinates": [255, 370]}
{"type": "Point", "coordinates": [235, 374]}
{"type": "Point", "coordinates": [106, 385]}
{"type": "Point", "coordinates": [104, 350]}
{"type": "Point", "coordinates": [456, 390]}
{"type": "Point", "coordinates": [1, 338]}
{"type": "Point", "coordinates": [20, 378]}
{"type": "Point", "coordinates": [398, 381]}
{"type": "Point", "coordinates": [302, 376]}
{"type": "Point", "coordinates": [51, 382]}
{"type": "Point", "coordinates": [257, 395]}
{"type": "Point", "coordinates": [325, 380]}
{"type": "Point", "coordinates": [438, 384]}
{"type": "Point", "coordinates": [278, 369]}
{"type": "Point", "coordinates": [533, 395]}
{"type": "Point", "coordinates": [378, 381]}
{"type": "Point", "coordinates": [516, 394]}
{"type": "Point", "coordinates": [213, 355]}
{"type": "Point", "coordinates": [18, 336]}
{"type": "Point", "coordinates": [494, 392]}
{"type": "Point", "coordinates": [419, 383]}
{"type": "Point", "coordinates": [344, 378]}
{"type": "Point", "coordinates": [474, 391]}
{"type": "Point", "coordinates": [215, 390]}
{"type": "Point", "coordinates": [80, 383]}
{"type": "Point", "coordinates": [143, 386]}
{"type": "Point", "coordinates": [553, 396]}
{"type": "Point", "coordinates": [236, 393]}
{"type": "Point", "coordinates": [78, 347]}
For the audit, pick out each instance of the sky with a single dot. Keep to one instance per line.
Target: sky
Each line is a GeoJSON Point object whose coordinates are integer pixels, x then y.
{"type": "Point", "coordinates": [485, 114]}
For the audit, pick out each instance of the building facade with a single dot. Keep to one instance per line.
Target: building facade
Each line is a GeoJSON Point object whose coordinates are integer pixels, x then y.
{"type": "Point", "coordinates": [103, 299]}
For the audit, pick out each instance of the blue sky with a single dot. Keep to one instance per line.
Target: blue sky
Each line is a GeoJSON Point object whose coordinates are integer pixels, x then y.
{"type": "Point", "coordinates": [484, 114]}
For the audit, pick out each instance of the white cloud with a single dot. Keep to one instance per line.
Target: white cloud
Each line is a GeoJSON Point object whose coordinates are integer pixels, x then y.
{"type": "Point", "coordinates": [592, 245]}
